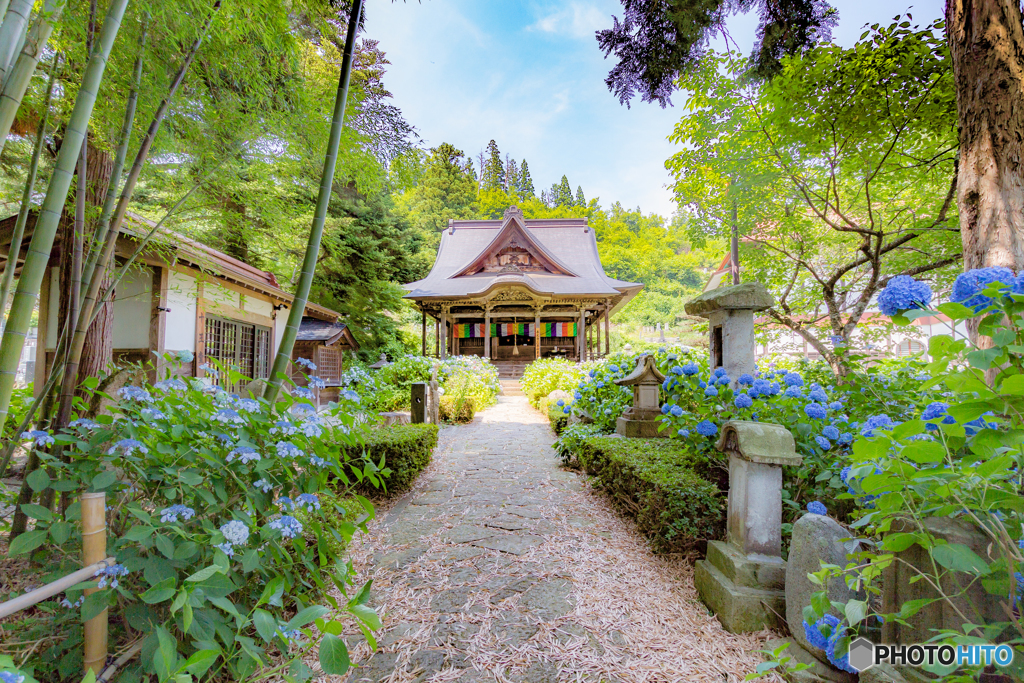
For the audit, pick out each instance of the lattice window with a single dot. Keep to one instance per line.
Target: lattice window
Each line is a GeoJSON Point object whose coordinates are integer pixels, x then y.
{"type": "Point", "coordinates": [240, 346]}
{"type": "Point", "coordinates": [328, 363]}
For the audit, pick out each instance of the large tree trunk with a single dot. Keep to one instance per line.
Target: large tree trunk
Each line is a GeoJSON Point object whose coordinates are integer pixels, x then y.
{"type": "Point", "coordinates": [986, 41]}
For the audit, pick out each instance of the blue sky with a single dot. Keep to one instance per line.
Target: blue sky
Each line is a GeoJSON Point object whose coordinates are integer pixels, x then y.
{"type": "Point", "coordinates": [530, 75]}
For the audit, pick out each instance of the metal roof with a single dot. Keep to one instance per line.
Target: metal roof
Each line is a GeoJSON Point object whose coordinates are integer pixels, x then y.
{"type": "Point", "coordinates": [569, 243]}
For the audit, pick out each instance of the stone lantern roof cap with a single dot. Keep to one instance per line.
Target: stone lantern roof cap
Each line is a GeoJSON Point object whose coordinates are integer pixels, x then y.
{"type": "Point", "coordinates": [751, 296]}
{"type": "Point", "coordinates": [759, 442]}
{"type": "Point", "coordinates": [645, 372]}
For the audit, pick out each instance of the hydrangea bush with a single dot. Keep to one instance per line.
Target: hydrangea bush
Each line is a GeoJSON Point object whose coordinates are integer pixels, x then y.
{"type": "Point", "coordinates": [960, 456]}
{"type": "Point", "coordinates": [203, 493]}
{"type": "Point", "coordinates": [472, 377]}
{"type": "Point", "coordinates": [543, 376]}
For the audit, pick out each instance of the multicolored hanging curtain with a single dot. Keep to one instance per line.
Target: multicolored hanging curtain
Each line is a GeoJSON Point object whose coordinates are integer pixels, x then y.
{"type": "Point", "coordinates": [558, 329]}
{"type": "Point", "coordinates": [509, 329]}
{"type": "Point", "coordinates": [468, 330]}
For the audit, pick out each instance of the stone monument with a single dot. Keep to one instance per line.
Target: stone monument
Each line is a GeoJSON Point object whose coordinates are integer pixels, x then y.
{"type": "Point", "coordinates": [644, 416]}
{"type": "Point", "coordinates": [743, 580]}
{"type": "Point", "coordinates": [730, 313]}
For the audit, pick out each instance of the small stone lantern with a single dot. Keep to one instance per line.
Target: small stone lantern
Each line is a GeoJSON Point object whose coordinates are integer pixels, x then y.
{"type": "Point", "coordinates": [383, 361]}
{"type": "Point", "coordinates": [643, 417]}
{"type": "Point", "coordinates": [743, 580]}
{"type": "Point", "coordinates": [730, 314]}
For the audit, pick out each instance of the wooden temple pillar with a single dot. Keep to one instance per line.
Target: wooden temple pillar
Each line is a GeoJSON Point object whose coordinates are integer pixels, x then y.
{"type": "Point", "coordinates": [581, 339]}
{"type": "Point", "coordinates": [444, 333]}
{"type": "Point", "coordinates": [536, 332]}
{"type": "Point", "coordinates": [423, 335]}
{"type": "Point", "coordinates": [487, 331]}
{"type": "Point", "coordinates": [437, 337]}
{"type": "Point", "coordinates": [607, 327]}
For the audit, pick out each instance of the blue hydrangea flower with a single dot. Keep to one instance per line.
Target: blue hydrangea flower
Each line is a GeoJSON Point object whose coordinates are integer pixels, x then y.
{"type": "Point", "coordinates": [209, 370]}
{"type": "Point", "coordinates": [303, 392]}
{"type": "Point", "coordinates": [317, 460]}
{"type": "Point", "coordinates": [600, 385]}
{"type": "Point", "coordinates": [167, 385]}
{"type": "Point", "coordinates": [310, 501]}
{"type": "Point", "coordinates": [560, 403]}
{"type": "Point", "coordinates": [975, 426]}
{"type": "Point", "coordinates": [830, 432]}
{"type": "Point", "coordinates": [235, 532]}
{"type": "Point", "coordinates": [578, 395]}
{"type": "Point", "coordinates": [312, 429]}
{"type": "Point", "coordinates": [306, 363]}
{"type": "Point", "coordinates": [792, 379]}
{"type": "Point", "coordinates": [719, 372]}
{"type": "Point", "coordinates": [761, 386]}
{"type": "Point", "coordinates": [841, 663]}
{"type": "Point", "coordinates": [846, 438]}
{"type": "Point", "coordinates": [711, 390]}
{"type": "Point", "coordinates": [746, 379]}
{"type": "Point", "coordinates": [169, 515]}
{"type": "Point", "coordinates": [743, 401]}
{"type": "Point", "coordinates": [11, 677]}
{"type": "Point", "coordinates": [110, 574]}
{"type": "Point", "coordinates": [613, 368]}
{"type": "Point", "coordinates": [876, 422]}
{"type": "Point", "coordinates": [823, 443]}
{"type": "Point", "coordinates": [247, 405]}
{"type": "Point", "coordinates": [566, 410]}
{"type": "Point", "coordinates": [835, 405]}
{"type": "Point", "coordinates": [228, 416]}
{"type": "Point", "coordinates": [690, 369]}
{"type": "Point", "coordinates": [128, 446]}
{"type": "Point", "coordinates": [288, 526]}
{"type": "Point", "coordinates": [133, 393]}
{"type": "Point", "coordinates": [245, 455]}
{"type": "Point", "coordinates": [702, 384]}
{"type": "Point", "coordinates": [793, 392]}
{"type": "Point", "coordinates": [40, 437]}
{"type": "Point", "coordinates": [774, 389]}
{"type": "Point", "coordinates": [707, 428]}
{"type": "Point", "coordinates": [724, 379]}
{"type": "Point", "coordinates": [903, 293]}
{"type": "Point", "coordinates": [84, 423]}
{"type": "Point", "coordinates": [676, 411]}
{"type": "Point", "coordinates": [685, 433]}
{"type": "Point", "coordinates": [837, 341]}
{"type": "Point", "coordinates": [815, 411]}
{"type": "Point", "coordinates": [814, 633]}
{"type": "Point", "coordinates": [350, 395]}
{"type": "Point", "coordinates": [286, 449]}
{"type": "Point", "coordinates": [264, 485]}
{"type": "Point", "coordinates": [665, 407]}
{"type": "Point", "coordinates": [844, 473]}
{"type": "Point", "coordinates": [968, 286]}
{"type": "Point", "coordinates": [816, 507]}
{"type": "Point", "coordinates": [314, 382]}
{"type": "Point", "coordinates": [818, 395]}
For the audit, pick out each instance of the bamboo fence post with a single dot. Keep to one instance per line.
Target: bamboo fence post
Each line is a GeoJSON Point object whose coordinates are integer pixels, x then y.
{"type": "Point", "coordinates": [94, 549]}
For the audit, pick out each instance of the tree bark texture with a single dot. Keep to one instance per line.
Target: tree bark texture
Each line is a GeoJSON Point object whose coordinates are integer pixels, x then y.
{"type": "Point", "coordinates": [986, 41]}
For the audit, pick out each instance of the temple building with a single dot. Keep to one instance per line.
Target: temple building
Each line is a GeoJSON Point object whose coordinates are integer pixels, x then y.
{"type": "Point", "coordinates": [519, 289]}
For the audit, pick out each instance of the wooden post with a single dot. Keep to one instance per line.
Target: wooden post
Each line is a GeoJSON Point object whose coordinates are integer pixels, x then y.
{"type": "Point", "coordinates": [444, 333]}
{"type": "Point", "coordinates": [487, 332]}
{"type": "Point", "coordinates": [94, 549]}
{"type": "Point", "coordinates": [423, 334]}
{"type": "Point", "coordinates": [437, 337]}
{"type": "Point", "coordinates": [157, 323]}
{"type": "Point", "coordinates": [200, 330]}
{"type": "Point", "coordinates": [580, 332]}
{"type": "Point", "coordinates": [536, 332]}
{"type": "Point", "coordinates": [607, 326]}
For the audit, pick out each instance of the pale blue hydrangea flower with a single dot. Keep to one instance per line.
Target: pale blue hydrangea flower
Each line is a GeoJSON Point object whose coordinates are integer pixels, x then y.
{"type": "Point", "coordinates": [286, 449]}
{"type": "Point", "coordinates": [67, 604]}
{"type": "Point", "coordinates": [793, 392]}
{"type": "Point", "coordinates": [11, 677]}
{"type": "Point", "coordinates": [285, 503]}
{"type": "Point", "coordinates": [153, 414]}
{"type": "Point", "coordinates": [285, 427]}
{"type": "Point", "coordinates": [303, 392]}
{"type": "Point", "coordinates": [818, 395]}
{"type": "Point", "coordinates": [711, 391]}
{"type": "Point", "coordinates": [676, 411]}
{"type": "Point", "coordinates": [350, 395]}
{"type": "Point", "coordinates": [314, 382]}
{"type": "Point", "coordinates": [40, 438]}
{"type": "Point", "coordinates": [306, 363]}
{"type": "Point", "coordinates": [235, 532]}
{"type": "Point", "coordinates": [318, 461]}
{"type": "Point", "coordinates": [209, 370]}
{"type": "Point", "coordinates": [830, 432]}
{"type": "Point", "coordinates": [743, 401]}
{"type": "Point", "coordinates": [690, 369]}
{"type": "Point", "coordinates": [228, 416]}
{"type": "Point", "coordinates": [133, 393]}
{"type": "Point", "coordinates": [816, 507]}
{"type": "Point", "coordinates": [685, 433]}
{"type": "Point", "coordinates": [823, 443]}
{"type": "Point", "coordinates": [226, 548]}
{"type": "Point", "coordinates": [308, 500]}
{"type": "Point", "coordinates": [110, 574]}
{"type": "Point", "coordinates": [84, 423]}
{"type": "Point", "coordinates": [312, 429]}
{"type": "Point", "coordinates": [288, 526]}
{"type": "Point", "coordinates": [792, 379]}
{"type": "Point", "coordinates": [707, 428]}
{"type": "Point", "coordinates": [185, 356]}
{"type": "Point", "coordinates": [168, 385]}
{"type": "Point", "coordinates": [294, 634]}
{"type": "Point", "coordinates": [247, 405]}
{"type": "Point", "coordinates": [264, 485]}
{"type": "Point", "coordinates": [171, 514]}
{"type": "Point", "coordinates": [245, 455]}
{"type": "Point", "coordinates": [128, 446]}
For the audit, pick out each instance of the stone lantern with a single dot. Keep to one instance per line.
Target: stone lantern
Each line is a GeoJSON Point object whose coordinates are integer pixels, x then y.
{"type": "Point", "coordinates": [743, 580]}
{"type": "Point", "coordinates": [381, 362]}
{"type": "Point", "coordinates": [730, 313]}
{"type": "Point", "coordinates": [643, 417]}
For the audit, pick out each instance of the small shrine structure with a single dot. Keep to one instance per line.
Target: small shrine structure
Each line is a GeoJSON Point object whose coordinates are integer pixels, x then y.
{"type": "Point", "coordinates": [643, 417]}
{"type": "Point", "coordinates": [518, 288]}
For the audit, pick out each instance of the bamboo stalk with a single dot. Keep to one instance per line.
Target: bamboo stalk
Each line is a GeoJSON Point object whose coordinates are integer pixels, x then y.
{"type": "Point", "coordinates": [49, 214]}
{"type": "Point", "coordinates": [284, 351]}
{"type": "Point", "coordinates": [94, 549]}
{"type": "Point", "coordinates": [12, 33]}
{"type": "Point", "coordinates": [18, 79]}
{"type": "Point", "coordinates": [81, 328]}
{"type": "Point", "coordinates": [26, 600]}
{"type": "Point", "coordinates": [26, 197]}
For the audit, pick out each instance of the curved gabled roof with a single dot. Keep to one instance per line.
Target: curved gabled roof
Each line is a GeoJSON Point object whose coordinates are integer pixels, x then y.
{"type": "Point", "coordinates": [568, 244]}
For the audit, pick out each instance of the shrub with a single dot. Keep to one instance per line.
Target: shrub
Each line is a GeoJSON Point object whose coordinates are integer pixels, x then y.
{"type": "Point", "coordinates": [571, 439]}
{"type": "Point", "coordinates": [459, 410]}
{"type": "Point", "coordinates": [543, 376]}
{"type": "Point", "coordinates": [656, 481]}
{"type": "Point", "coordinates": [202, 492]}
{"type": "Point", "coordinates": [401, 452]}
{"type": "Point", "coordinates": [388, 399]}
{"type": "Point", "coordinates": [557, 417]}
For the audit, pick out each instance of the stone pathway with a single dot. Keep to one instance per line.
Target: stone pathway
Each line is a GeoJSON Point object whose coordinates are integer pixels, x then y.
{"type": "Point", "coordinates": [501, 566]}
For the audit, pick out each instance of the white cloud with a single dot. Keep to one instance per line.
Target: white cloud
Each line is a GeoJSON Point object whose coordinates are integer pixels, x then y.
{"type": "Point", "coordinates": [578, 20]}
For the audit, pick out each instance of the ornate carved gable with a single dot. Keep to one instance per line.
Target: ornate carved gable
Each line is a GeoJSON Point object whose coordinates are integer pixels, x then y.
{"type": "Point", "coordinates": [514, 251]}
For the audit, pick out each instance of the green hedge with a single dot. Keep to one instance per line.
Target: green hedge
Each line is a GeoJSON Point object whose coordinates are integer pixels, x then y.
{"type": "Point", "coordinates": [557, 417]}
{"type": "Point", "coordinates": [406, 450]}
{"type": "Point", "coordinates": [660, 484]}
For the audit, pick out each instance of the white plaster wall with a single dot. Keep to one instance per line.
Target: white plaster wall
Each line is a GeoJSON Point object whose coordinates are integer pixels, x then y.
{"type": "Point", "coordinates": [180, 330]}
{"type": "Point", "coordinates": [252, 304]}
{"type": "Point", "coordinates": [279, 324]}
{"type": "Point", "coordinates": [133, 304]}
{"type": "Point", "coordinates": [213, 291]}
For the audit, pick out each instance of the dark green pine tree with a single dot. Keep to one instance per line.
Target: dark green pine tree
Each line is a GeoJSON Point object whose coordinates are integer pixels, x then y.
{"type": "Point", "coordinates": [512, 177]}
{"type": "Point", "coordinates": [563, 193]}
{"type": "Point", "coordinates": [471, 170]}
{"type": "Point", "coordinates": [525, 186]}
{"type": "Point", "coordinates": [581, 201]}
{"type": "Point", "coordinates": [494, 169]}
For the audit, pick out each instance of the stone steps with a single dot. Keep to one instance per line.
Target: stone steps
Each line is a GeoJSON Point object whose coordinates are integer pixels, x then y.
{"type": "Point", "coordinates": [510, 387]}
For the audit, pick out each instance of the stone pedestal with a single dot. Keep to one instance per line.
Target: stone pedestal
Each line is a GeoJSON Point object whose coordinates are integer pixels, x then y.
{"type": "Point", "coordinates": [743, 580]}
{"type": "Point", "coordinates": [730, 313]}
{"type": "Point", "coordinates": [643, 418]}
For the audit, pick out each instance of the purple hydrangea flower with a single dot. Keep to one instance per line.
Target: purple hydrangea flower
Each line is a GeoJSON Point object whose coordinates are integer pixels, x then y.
{"type": "Point", "coordinates": [816, 507]}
